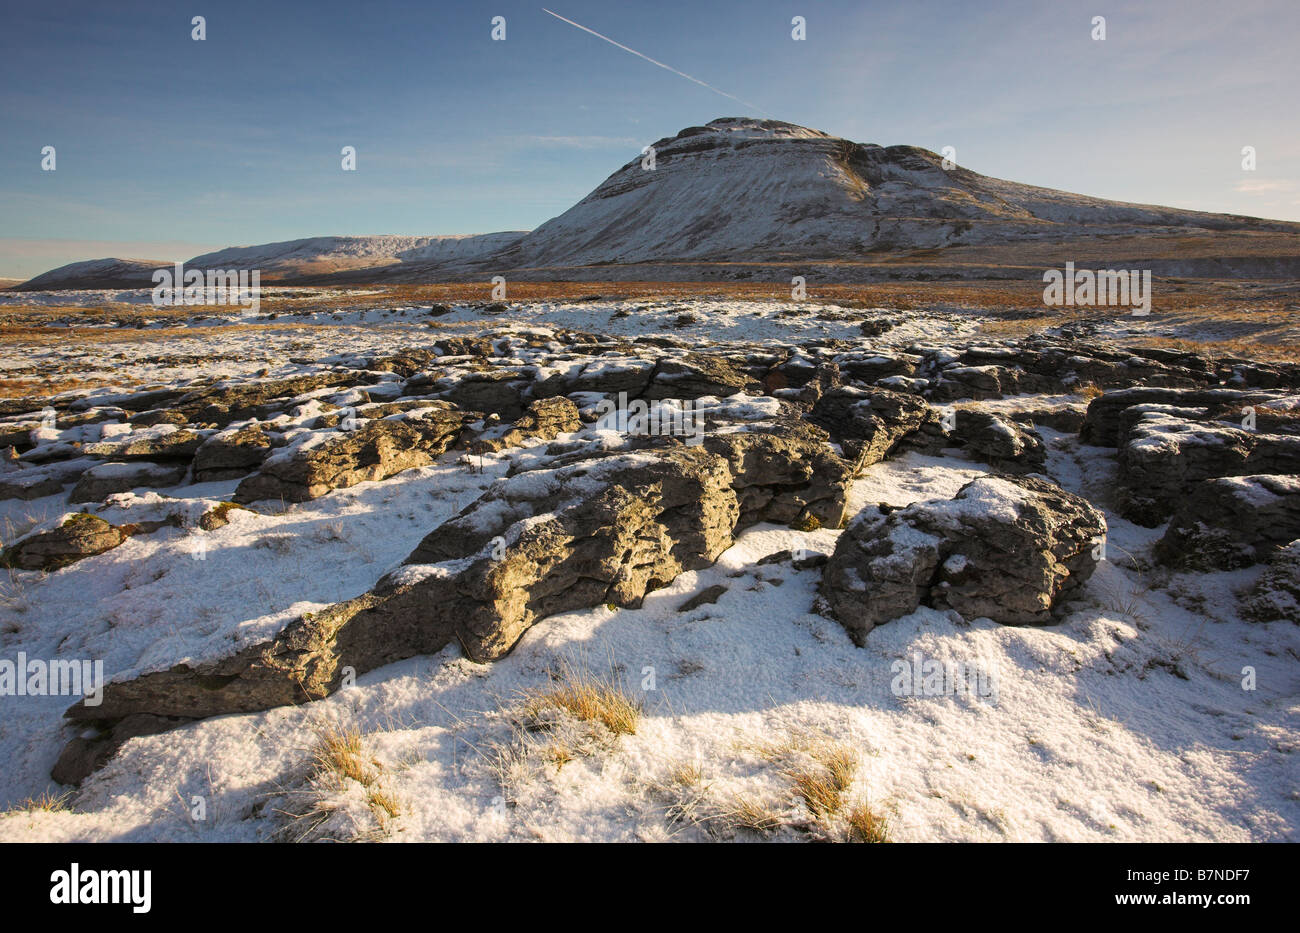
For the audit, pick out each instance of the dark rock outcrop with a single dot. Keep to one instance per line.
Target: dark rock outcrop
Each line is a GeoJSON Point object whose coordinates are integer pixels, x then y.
{"type": "Point", "coordinates": [81, 535]}
{"type": "Point", "coordinates": [1277, 595]}
{"type": "Point", "coordinates": [1101, 426]}
{"type": "Point", "coordinates": [99, 482]}
{"type": "Point", "coordinates": [231, 454]}
{"type": "Point", "coordinates": [984, 436]}
{"type": "Point", "coordinates": [240, 401]}
{"type": "Point", "coordinates": [545, 419]}
{"type": "Point", "coordinates": [604, 531]}
{"type": "Point", "coordinates": [786, 474]}
{"type": "Point", "coordinates": [180, 444]}
{"type": "Point", "coordinates": [1007, 548]}
{"type": "Point", "coordinates": [869, 423]}
{"type": "Point", "coordinates": [1163, 454]}
{"type": "Point", "coordinates": [697, 375]}
{"type": "Point", "coordinates": [375, 450]}
{"type": "Point", "coordinates": [1232, 522]}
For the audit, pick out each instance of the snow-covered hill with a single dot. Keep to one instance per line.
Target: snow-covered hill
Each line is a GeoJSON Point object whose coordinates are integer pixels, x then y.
{"type": "Point", "coordinates": [98, 273]}
{"type": "Point", "coordinates": [321, 255]}
{"type": "Point", "coordinates": [747, 190]}
{"type": "Point", "coordinates": [289, 259]}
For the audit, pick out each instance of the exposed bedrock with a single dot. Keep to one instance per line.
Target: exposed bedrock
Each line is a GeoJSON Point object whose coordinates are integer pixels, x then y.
{"type": "Point", "coordinates": [1101, 426]}
{"type": "Point", "coordinates": [603, 530]}
{"type": "Point", "coordinates": [374, 450]}
{"type": "Point", "coordinates": [1006, 548]}
{"type": "Point", "coordinates": [1231, 522]}
{"type": "Point", "coordinates": [1165, 453]}
{"type": "Point", "coordinates": [984, 436]}
{"type": "Point", "coordinates": [79, 536]}
{"type": "Point", "coordinates": [869, 423]}
{"type": "Point", "coordinates": [232, 454]}
{"type": "Point", "coordinates": [1276, 598]}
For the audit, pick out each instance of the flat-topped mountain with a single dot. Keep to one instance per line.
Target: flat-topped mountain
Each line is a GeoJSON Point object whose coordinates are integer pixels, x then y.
{"type": "Point", "coordinates": [746, 190]}
{"type": "Point", "coordinates": [742, 198]}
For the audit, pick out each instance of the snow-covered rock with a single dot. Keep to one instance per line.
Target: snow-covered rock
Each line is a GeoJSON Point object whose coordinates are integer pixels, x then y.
{"type": "Point", "coordinates": [1005, 548]}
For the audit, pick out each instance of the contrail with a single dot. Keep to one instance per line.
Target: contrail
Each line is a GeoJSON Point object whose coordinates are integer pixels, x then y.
{"type": "Point", "coordinates": [660, 64]}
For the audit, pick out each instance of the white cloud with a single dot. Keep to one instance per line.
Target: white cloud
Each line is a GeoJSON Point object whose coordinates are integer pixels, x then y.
{"type": "Point", "coordinates": [1264, 186]}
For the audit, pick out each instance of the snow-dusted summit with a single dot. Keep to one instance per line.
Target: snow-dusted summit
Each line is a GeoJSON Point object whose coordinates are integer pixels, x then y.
{"type": "Point", "coordinates": [743, 189]}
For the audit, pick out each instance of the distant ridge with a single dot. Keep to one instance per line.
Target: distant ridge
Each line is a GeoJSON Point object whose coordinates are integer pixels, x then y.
{"type": "Point", "coordinates": [742, 198]}
{"type": "Point", "coordinates": [284, 261]}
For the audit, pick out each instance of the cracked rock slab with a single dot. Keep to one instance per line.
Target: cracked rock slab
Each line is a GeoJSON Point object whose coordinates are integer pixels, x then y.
{"type": "Point", "coordinates": [1007, 548]}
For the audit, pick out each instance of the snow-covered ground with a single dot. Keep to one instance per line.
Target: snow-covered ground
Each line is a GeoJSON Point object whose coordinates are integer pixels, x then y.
{"type": "Point", "coordinates": [90, 297]}
{"type": "Point", "coordinates": [1125, 721]}
{"type": "Point", "coordinates": [235, 351]}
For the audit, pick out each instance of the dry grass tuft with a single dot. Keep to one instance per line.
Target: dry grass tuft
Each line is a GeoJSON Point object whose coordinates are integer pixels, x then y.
{"type": "Point", "coordinates": [744, 812]}
{"type": "Point", "coordinates": [866, 824]}
{"type": "Point", "coordinates": [822, 784]}
{"type": "Point", "coordinates": [588, 699]}
{"type": "Point", "coordinates": [338, 752]}
{"type": "Point", "coordinates": [339, 775]}
{"type": "Point", "coordinates": [383, 802]}
{"type": "Point", "coordinates": [686, 793]}
{"type": "Point", "coordinates": [820, 771]}
{"type": "Point", "coordinates": [686, 774]}
{"type": "Point", "coordinates": [44, 803]}
{"type": "Point", "coordinates": [559, 753]}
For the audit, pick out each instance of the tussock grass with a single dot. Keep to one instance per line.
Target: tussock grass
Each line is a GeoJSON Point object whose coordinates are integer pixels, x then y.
{"type": "Point", "coordinates": [686, 793]}
{"type": "Point", "coordinates": [588, 699]}
{"type": "Point", "coordinates": [691, 800]}
{"type": "Point", "coordinates": [686, 774]}
{"type": "Point", "coordinates": [750, 813]}
{"type": "Point", "coordinates": [338, 752]}
{"type": "Point", "coordinates": [513, 765]}
{"type": "Point", "coordinates": [559, 753]}
{"type": "Point", "coordinates": [44, 803]}
{"type": "Point", "coordinates": [578, 716]}
{"type": "Point", "coordinates": [339, 775]}
{"type": "Point", "coordinates": [866, 824]}
{"type": "Point", "coordinates": [822, 782]}
{"type": "Point", "coordinates": [383, 801]}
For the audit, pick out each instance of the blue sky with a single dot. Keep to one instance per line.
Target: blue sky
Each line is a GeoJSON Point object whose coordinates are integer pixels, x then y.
{"type": "Point", "coordinates": [167, 147]}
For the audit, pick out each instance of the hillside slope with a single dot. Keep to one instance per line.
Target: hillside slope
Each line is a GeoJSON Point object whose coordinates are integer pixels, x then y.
{"type": "Point", "coordinates": [741, 198]}
{"type": "Point", "coordinates": [284, 261]}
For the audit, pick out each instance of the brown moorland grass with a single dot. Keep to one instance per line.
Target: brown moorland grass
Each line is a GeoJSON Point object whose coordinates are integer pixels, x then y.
{"type": "Point", "coordinates": [1249, 319]}
{"type": "Point", "coordinates": [1011, 294]}
{"type": "Point", "coordinates": [33, 388]}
